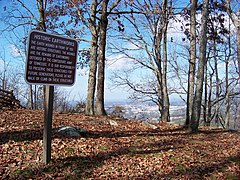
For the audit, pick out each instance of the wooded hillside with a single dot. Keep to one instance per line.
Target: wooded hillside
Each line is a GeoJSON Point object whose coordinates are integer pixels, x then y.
{"type": "Point", "coordinates": [114, 148]}
{"type": "Point", "coordinates": [164, 48]}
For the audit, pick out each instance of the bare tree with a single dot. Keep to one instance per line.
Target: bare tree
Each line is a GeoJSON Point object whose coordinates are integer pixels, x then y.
{"type": "Point", "coordinates": [89, 109]}
{"type": "Point", "coordinates": [152, 51]}
{"type": "Point", "coordinates": [165, 112]}
{"type": "Point", "coordinates": [235, 17]}
{"type": "Point", "coordinates": [192, 62]}
{"type": "Point", "coordinates": [20, 17]}
{"type": "Point", "coordinates": [62, 100]}
{"type": "Point", "coordinates": [196, 108]}
{"type": "Point", "coordinates": [100, 110]}
{"type": "Point", "coordinates": [96, 20]}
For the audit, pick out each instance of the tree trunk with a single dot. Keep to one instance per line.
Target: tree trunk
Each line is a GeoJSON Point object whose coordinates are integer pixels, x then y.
{"type": "Point", "coordinates": [101, 61]}
{"type": "Point", "coordinates": [236, 21]}
{"type": "Point", "coordinates": [238, 47]}
{"type": "Point", "coordinates": [31, 97]}
{"type": "Point", "coordinates": [42, 6]}
{"type": "Point", "coordinates": [205, 97]}
{"type": "Point", "coordinates": [42, 27]}
{"type": "Point", "coordinates": [227, 105]}
{"type": "Point", "coordinates": [158, 73]}
{"type": "Point", "coordinates": [209, 107]}
{"type": "Point", "coordinates": [89, 110]}
{"type": "Point", "coordinates": [192, 62]}
{"type": "Point", "coordinates": [196, 111]}
{"type": "Point", "coordinates": [227, 98]}
{"type": "Point", "coordinates": [36, 99]}
{"type": "Point", "coordinates": [165, 111]}
{"type": "Point", "coordinates": [217, 83]}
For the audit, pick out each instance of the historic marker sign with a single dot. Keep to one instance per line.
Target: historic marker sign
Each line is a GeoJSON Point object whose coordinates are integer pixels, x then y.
{"type": "Point", "coordinates": [51, 59]}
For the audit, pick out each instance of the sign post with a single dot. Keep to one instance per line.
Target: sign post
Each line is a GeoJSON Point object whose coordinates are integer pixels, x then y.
{"type": "Point", "coordinates": [51, 61]}
{"type": "Point", "coordinates": [47, 131]}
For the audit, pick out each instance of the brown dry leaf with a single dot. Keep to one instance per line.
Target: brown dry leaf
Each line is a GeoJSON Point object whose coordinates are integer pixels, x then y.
{"type": "Point", "coordinates": [127, 151]}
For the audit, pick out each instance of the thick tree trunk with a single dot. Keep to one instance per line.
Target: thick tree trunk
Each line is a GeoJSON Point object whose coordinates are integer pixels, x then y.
{"type": "Point", "coordinates": [42, 6]}
{"type": "Point", "coordinates": [36, 99]}
{"type": "Point", "coordinates": [236, 21]}
{"type": "Point", "coordinates": [158, 60]}
{"type": "Point", "coordinates": [227, 104]}
{"type": "Point", "coordinates": [227, 98]}
{"type": "Point", "coordinates": [30, 97]}
{"type": "Point", "coordinates": [217, 83]}
{"type": "Point", "coordinates": [165, 111]}
{"type": "Point", "coordinates": [42, 27]}
{"type": "Point", "coordinates": [158, 73]}
{"type": "Point", "coordinates": [196, 111]}
{"type": "Point", "coordinates": [100, 110]}
{"type": "Point", "coordinates": [238, 46]}
{"type": "Point", "coordinates": [89, 110]}
{"type": "Point", "coordinates": [192, 62]}
{"type": "Point", "coordinates": [209, 107]}
{"type": "Point", "coordinates": [205, 97]}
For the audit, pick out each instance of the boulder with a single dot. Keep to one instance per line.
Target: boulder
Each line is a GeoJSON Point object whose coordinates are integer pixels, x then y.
{"type": "Point", "coordinates": [113, 123]}
{"type": "Point", "coordinates": [152, 126]}
{"type": "Point", "coordinates": [72, 131]}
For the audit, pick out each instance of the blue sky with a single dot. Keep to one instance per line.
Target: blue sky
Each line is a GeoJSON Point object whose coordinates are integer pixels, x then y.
{"type": "Point", "coordinates": [79, 90]}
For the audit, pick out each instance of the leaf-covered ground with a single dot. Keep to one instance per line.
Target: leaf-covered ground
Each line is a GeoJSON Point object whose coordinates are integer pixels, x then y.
{"type": "Point", "coordinates": [130, 150]}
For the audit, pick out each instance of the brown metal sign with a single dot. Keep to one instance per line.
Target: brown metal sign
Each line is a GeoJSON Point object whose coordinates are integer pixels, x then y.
{"type": "Point", "coordinates": [51, 59]}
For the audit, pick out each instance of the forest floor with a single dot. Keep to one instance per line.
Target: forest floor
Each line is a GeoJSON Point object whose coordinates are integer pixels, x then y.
{"type": "Point", "coordinates": [126, 150]}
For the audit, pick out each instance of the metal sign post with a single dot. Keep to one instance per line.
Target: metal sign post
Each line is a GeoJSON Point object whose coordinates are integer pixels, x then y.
{"type": "Point", "coordinates": [51, 61]}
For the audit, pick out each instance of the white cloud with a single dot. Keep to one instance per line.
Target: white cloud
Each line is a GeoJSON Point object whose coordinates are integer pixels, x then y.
{"type": "Point", "coordinates": [15, 51]}
{"type": "Point", "coordinates": [119, 62]}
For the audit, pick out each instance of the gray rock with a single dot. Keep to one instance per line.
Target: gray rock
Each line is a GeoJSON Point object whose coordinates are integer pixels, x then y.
{"type": "Point", "coordinates": [113, 123]}
{"type": "Point", "coordinates": [152, 126]}
{"type": "Point", "coordinates": [72, 131]}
